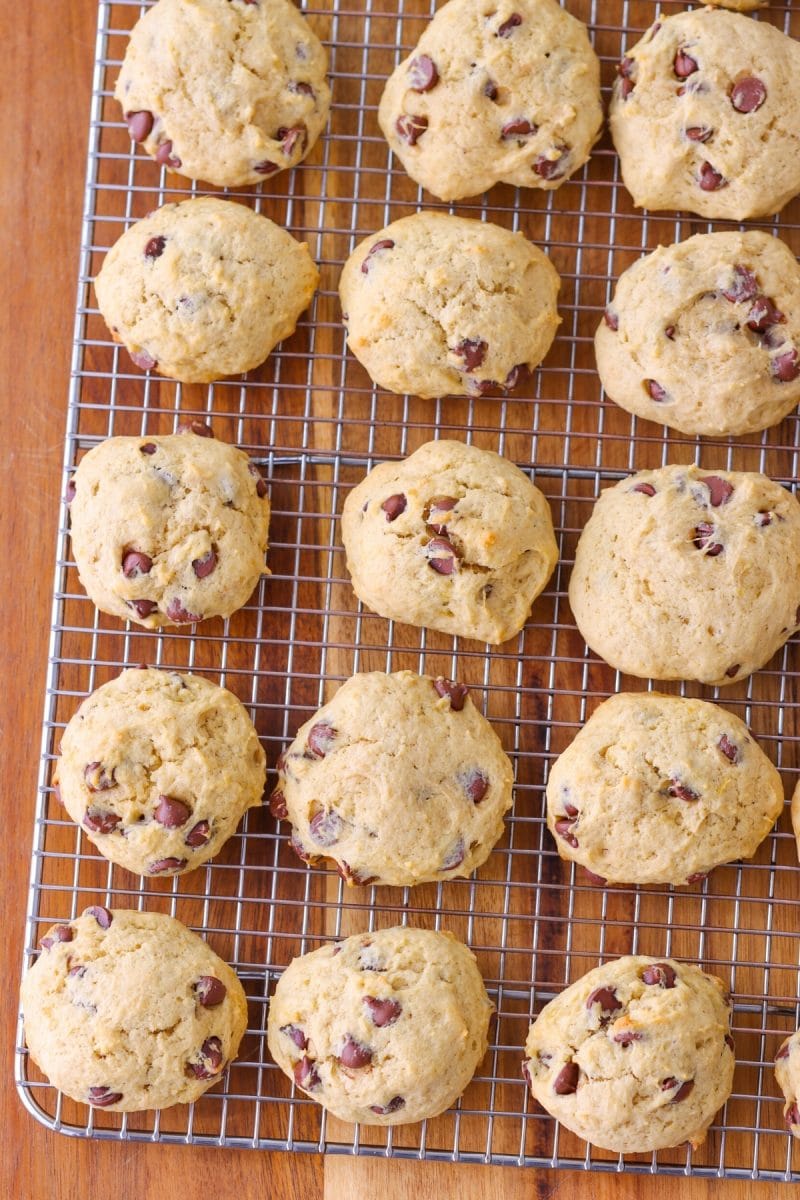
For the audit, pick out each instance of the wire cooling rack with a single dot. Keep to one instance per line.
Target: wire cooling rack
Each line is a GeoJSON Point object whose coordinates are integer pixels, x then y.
{"type": "Point", "coordinates": [311, 417]}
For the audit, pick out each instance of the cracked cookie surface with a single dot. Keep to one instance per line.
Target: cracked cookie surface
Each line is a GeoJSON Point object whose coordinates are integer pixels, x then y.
{"type": "Point", "coordinates": [634, 1056]}
{"type": "Point", "coordinates": [452, 538]}
{"type": "Point", "coordinates": [227, 91]}
{"type": "Point", "coordinates": [437, 305]}
{"type": "Point", "coordinates": [682, 573]}
{"type": "Point", "coordinates": [703, 336]}
{"type": "Point", "coordinates": [398, 780]}
{"type": "Point", "coordinates": [702, 116]}
{"type": "Point", "coordinates": [661, 789]}
{"type": "Point", "coordinates": [168, 530]}
{"type": "Point", "coordinates": [494, 92]}
{"type": "Point", "coordinates": [204, 288]}
{"type": "Point", "coordinates": [384, 1028]}
{"type": "Point", "coordinates": [158, 768]}
{"type": "Point", "coordinates": [130, 1010]}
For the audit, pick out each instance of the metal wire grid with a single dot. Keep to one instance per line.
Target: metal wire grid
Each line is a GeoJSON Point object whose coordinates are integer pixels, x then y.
{"type": "Point", "coordinates": [311, 417]}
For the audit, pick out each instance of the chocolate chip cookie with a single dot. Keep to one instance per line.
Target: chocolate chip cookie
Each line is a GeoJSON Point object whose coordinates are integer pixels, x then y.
{"type": "Point", "coordinates": [682, 573]}
{"type": "Point", "coordinates": [159, 768]}
{"type": "Point", "coordinates": [787, 1074]}
{"type": "Point", "coordinates": [228, 91]}
{"type": "Point", "coordinates": [635, 1056]}
{"type": "Point", "coordinates": [452, 538]}
{"type": "Point", "coordinates": [660, 789]}
{"type": "Point", "coordinates": [129, 1010]}
{"type": "Point", "coordinates": [203, 289]}
{"type": "Point", "coordinates": [384, 1028]}
{"type": "Point", "coordinates": [398, 780]}
{"type": "Point", "coordinates": [703, 116]}
{"type": "Point", "coordinates": [168, 530]}
{"type": "Point", "coordinates": [703, 335]}
{"type": "Point", "coordinates": [476, 302]}
{"type": "Point", "coordinates": [504, 92]}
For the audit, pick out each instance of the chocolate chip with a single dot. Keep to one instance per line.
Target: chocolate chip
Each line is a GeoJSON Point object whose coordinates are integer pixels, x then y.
{"type": "Point", "coordinates": [261, 487]}
{"type": "Point", "coordinates": [684, 65]}
{"type": "Point", "coordinates": [346, 872]}
{"type": "Point", "coordinates": [102, 1097]}
{"type": "Point", "coordinates": [626, 1037]}
{"type": "Point", "coordinates": [382, 1012]}
{"type": "Point", "coordinates": [728, 748]}
{"type": "Point", "coordinates": [564, 830]}
{"type": "Point", "coordinates": [422, 74]}
{"type": "Point", "coordinates": [611, 319]}
{"type": "Point", "coordinates": [473, 352]}
{"type": "Point", "coordinates": [320, 738]}
{"type": "Point", "coordinates": [596, 879]}
{"type": "Point", "coordinates": [211, 1060]}
{"type": "Point", "coordinates": [277, 805]}
{"type": "Point", "coordinates": [139, 124]}
{"type": "Point", "coordinates": [566, 1081]}
{"type": "Point", "coordinates": [394, 506]}
{"type": "Point", "coordinates": [681, 792]}
{"type": "Point", "coordinates": [763, 314]}
{"type": "Point", "coordinates": [326, 827]}
{"type": "Point", "coordinates": [203, 567]}
{"type": "Point", "coordinates": [454, 858]}
{"type": "Point", "coordinates": [440, 504]}
{"type": "Point", "coordinates": [734, 670]}
{"type": "Point", "coordinates": [198, 835]}
{"type": "Point", "coordinates": [729, 1042]}
{"type": "Point", "coordinates": [59, 933]}
{"type": "Point", "coordinates": [570, 810]}
{"type": "Point", "coordinates": [697, 877]}
{"type": "Point", "coordinates": [656, 391]}
{"type": "Point", "coordinates": [296, 1035]}
{"type": "Point", "coordinates": [143, 608]}
{"type": "Point", "coordinates": [155, 247]}
{"type": "Point", "coordinates": [383, 1110]}
{"type": "Point", "coordinates": [103, 916]}
{"type": "Point", "coordinates": [100, 820]}
{"type": "Point", "coordinates": [743, 287]}
{"type": "Point", "coordinates": [171, 813]}
{"type": "Point", "coordinates": [646, 489]}
{"type": "Point", "coordinates": [442, 556]}
{"type": "Point", "coordinates": [198, 428]}
{"type": "Point", "coordinates": [720, 491]}
{"type": "Point", "coordinates": [97, 778]}
{"type": "Point", "coordinates": [410, 127]}
{"type": "Point", "coordinates": [786, 367]}
{"type": "Point", "coordinates": [748, 94]}
{"type": "Point", "coordinates": [457, 692]}
{"type": "Point", "coordinates": [783, 1052]}
{"type": "Point", "coordinates": [490, 90]}
{"type": "Point", "coordinates": [660, 974]}
{"type": "Point", "coordinates": [607, 998]}
{"type": "Point", "coordinates": [165, 157]}
{"type": "Point", "coordinates": [509, 25]}
{"type": "Point", "coordinates": [383, 244]}
{"type": "Point", "coordinates": [135, 563]}
{"type": "Point", "coordinates": [69, 494]}
{"type": "Point", "coordinates": [265, 167]}
{"type": "Point", "coordinates": [144, 360]}
{"type": "Point", "coordinates": [669, 332]}
{"type": "Point", "coordinates": [793, 1115]}
{"type": "Point", "coordinates": [552, 168]}
{"type": "Point", "coordinates": [683, 1088]}
{"type": "Point", "coordinates": [515, 375]}
{"type": "Point", "coordinates": [475, 784]}
{"type": "Point", "coordinates": [300, 87]}
{"type": "Point", "coordinates": [210, 991]}
{"type": "Point", "coordinates": [698, 133]}
{"type": "Point", "coordinates": [625, 71]}
{"type": "Point", "coordinates": [518, 127]}
{"type": "Point", "coordinates": [289, 138]}
{"type": "Point", "coordinates": [354, 1054]}
{"type": "Point", "coordinates": [626, 86]}
{"type": "Point", "coordinates": [179, 614]}
{"type": "Point", "coordinates": [166, 866]}
{"type": "Point", "coordinates": [77, 972]}
{"type": "Point", "coordinates": [710, 179]}
{"type": "Point", "coordinates": [299, 848]}
{"type": "Point", "coordinates": [702, 539]}
{"type": "Point", "coordinates": [306, 1075]}
{"type": "Point", "coordinates": [625, 68]}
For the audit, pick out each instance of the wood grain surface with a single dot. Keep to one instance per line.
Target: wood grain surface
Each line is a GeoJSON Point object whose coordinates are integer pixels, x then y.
{"type": "Point", "coordinates": [44, 101]}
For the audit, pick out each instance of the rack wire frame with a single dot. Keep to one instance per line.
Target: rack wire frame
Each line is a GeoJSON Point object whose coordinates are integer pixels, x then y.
{"type": "Point", "coordinates": [313, 420]}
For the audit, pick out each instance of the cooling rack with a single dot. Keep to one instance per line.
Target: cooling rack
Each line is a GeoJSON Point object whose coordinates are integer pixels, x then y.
{"type": "Point", "coordinates": [312, 419]}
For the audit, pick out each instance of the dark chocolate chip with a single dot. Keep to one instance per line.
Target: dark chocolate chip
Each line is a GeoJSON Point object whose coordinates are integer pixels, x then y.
{"type": "Point", "coordinates": [180, 615]}
{"type": "Point", "coordinates": [383, 1110]}
{"type": "Point", "coordinates": [457, 692]}
{"type": "Point", "coordinates": [155, 247]}
{"type": "Point", "coordinates": [144, 360]}
{"type": "Point", "coordinates": [490, 90]}
{"type": "Point", "coordinates": [697, 877]}
{"type": "Point", "coordinates": [702, 538]}
{"type": "Point", "coordinates": [698, 133]}
{"type": "Point", "coordinates": [656, 391]}
{"type": "Point", "coordinates": [455, 857]}
{"type": "Point", "coordinates": [410, 127]}
{"type": "Point", "coordinates": [719, 490]}
{"type": "Point", "coordinates": [552, 168]}
{"type": "Point", "coordinates": [326, 827]}
{"type": "Point", "coordinates": [440, 504]}
{"type": "Point", "coordinates": [442, 556]}
{"type": "Point", "coordinates": [564, 830]}
{"type": "Point", "coordinates": [596, 879]}
{"type": "Point", "coordinates": [566, 1081]}
{"type": "Point", "coordinates": [784, 1051]}
{"type": "Point", "coordinates": [711, 180]}
{"type": "Point", "coordinates": [473, 352]}
{"type": "Point", "coordinates": [475, 784]}
{"type": "Point", "coordinates": [518, 127]}
{"type": "Point", "coordinates": [261, 487]}
{"type": "Point", "coordinates": [681, 792]}
{"type": "Point", "coordinates": [102, 1097]}
{"type": "Point", "coordinates": [59, 933]}
{"type": "Point", "coordinates": [683, 1089]}
{"type": "Point", "coordinates": [135, 563]}
{"type": "Point", "coordinates": [277, 805]}
{"type": "Point", "coordinates": [300, 87]}
{"type": "Point", "coordinates": [321, 738]}
{"type": "Point", "coordinates": [743, 287]}
{"type": "Point", "coordinates": [203, 567]}
{"type": "Point", "coordinates": [646, 489]}
{"type": "Point", "coordinates": [382, 1012]}
{"type": "Point", "coordinates": [142, 608]}
{"type": "Point", "coordinates": [100, 820]}
{"type": "Point", "coordinates": [296, 1035]}
{"type": "Point", "coordinates": [394, 506]}
{"type": "Point", "coordinates": [103, 916]}
{"type": "Point", "coordinates": [266, 167]}
{"type": "Point", "coordinates": [728, 748]}
{"type": "Point", "coordinates": [211, 1060]}
{"type": "Point", "coordinates": [289, 138]}
{"type": "Point", "coordinates": [166, 866]}
{"type": "Point", "coordinates": [171, 813]}
{"type": "Point", "coordinates": [748, 94]}
{"type": "Point", "coordinates": [198, 835]}
{"type": "Point", "coordinates": [611, 319]}
{"type": "Point", "coordinates": [97, 778]}
{"type": "Point", "coordinates": [165, 157]}
{"type": "Point", "coordinates": [660, 974]}
{"type": "Point", "coordinates": [210, 991]}
{"type": "Point", "coordinates": [422, 74]}
{"type": "Point", "coordinates": [669, 332]}
{"type": "Point", "coordinates": [354, 1054]}
{"type": "Point", "coordinates": [509, 25]}
{"type": "Point", "coordinates": [786, 367]}
{"type": "Point", "coordinates": [383, 244]}
{"type": "Point", "coordinates": [734, 670]}
{"type": "Point", "coordinates": [763, 314]}
{"type": "Point", "coordinates": [139, 124]}
{"type": "Point", "coordinates": [69, 494]}
{"type": "Point", "coordinates": [306, 1075]}
{"type": "Point", "coordinates": [626, 1037]}
{"type": "Point", "coordinates": [198, 428]}
{"type": "Point", "coordinates": [684, 65]}
{"type": "Point", "coordinates": [607, 998]}
{"type": "Point", "coordinates": [792, 1117]}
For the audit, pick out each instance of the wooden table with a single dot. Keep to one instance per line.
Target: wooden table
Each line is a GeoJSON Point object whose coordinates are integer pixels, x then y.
{"type": "Point", "coordinates": [46, 86]}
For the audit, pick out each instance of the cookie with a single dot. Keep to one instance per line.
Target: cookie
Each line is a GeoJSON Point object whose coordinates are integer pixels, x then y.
{"type": "Point", "coordinates": [795, 810]}
{"type": "Point", "coordinates": [129, 1010]}
{"type": "Point", "coordinates": [168, 530]}
{"type": "Point", "coordinates": [504, 92]}
{"type": "Point", "coordinates": [452, 538]}
{"type": "Point", "coordinates": [159, 768]}
{"type": "Point", "coordinates": [740, 5]}
{"type": "Point", "coordinates": [476, 302]}
{"type": "Point", "coordinates": [398, 780]}
{"type": "Point", "coordinates": [384, 1028]}
{"type": "Point", "coordinates": [204, 288]}
{"type": "Point", "coordinates": [635, 1056]}
{"type": "Point", "coordinates": [684, 574]}
{"type": "Point", "coordinates": [703, 116]}
{"type": "Point", "coordinates": [787, 1074]}
{"type": "Point", "coordinates": [659, 789]}
{"type": "Point", "coordinates": [702, 336]}
{"type": "Point", "coordinates": [224, 90]}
